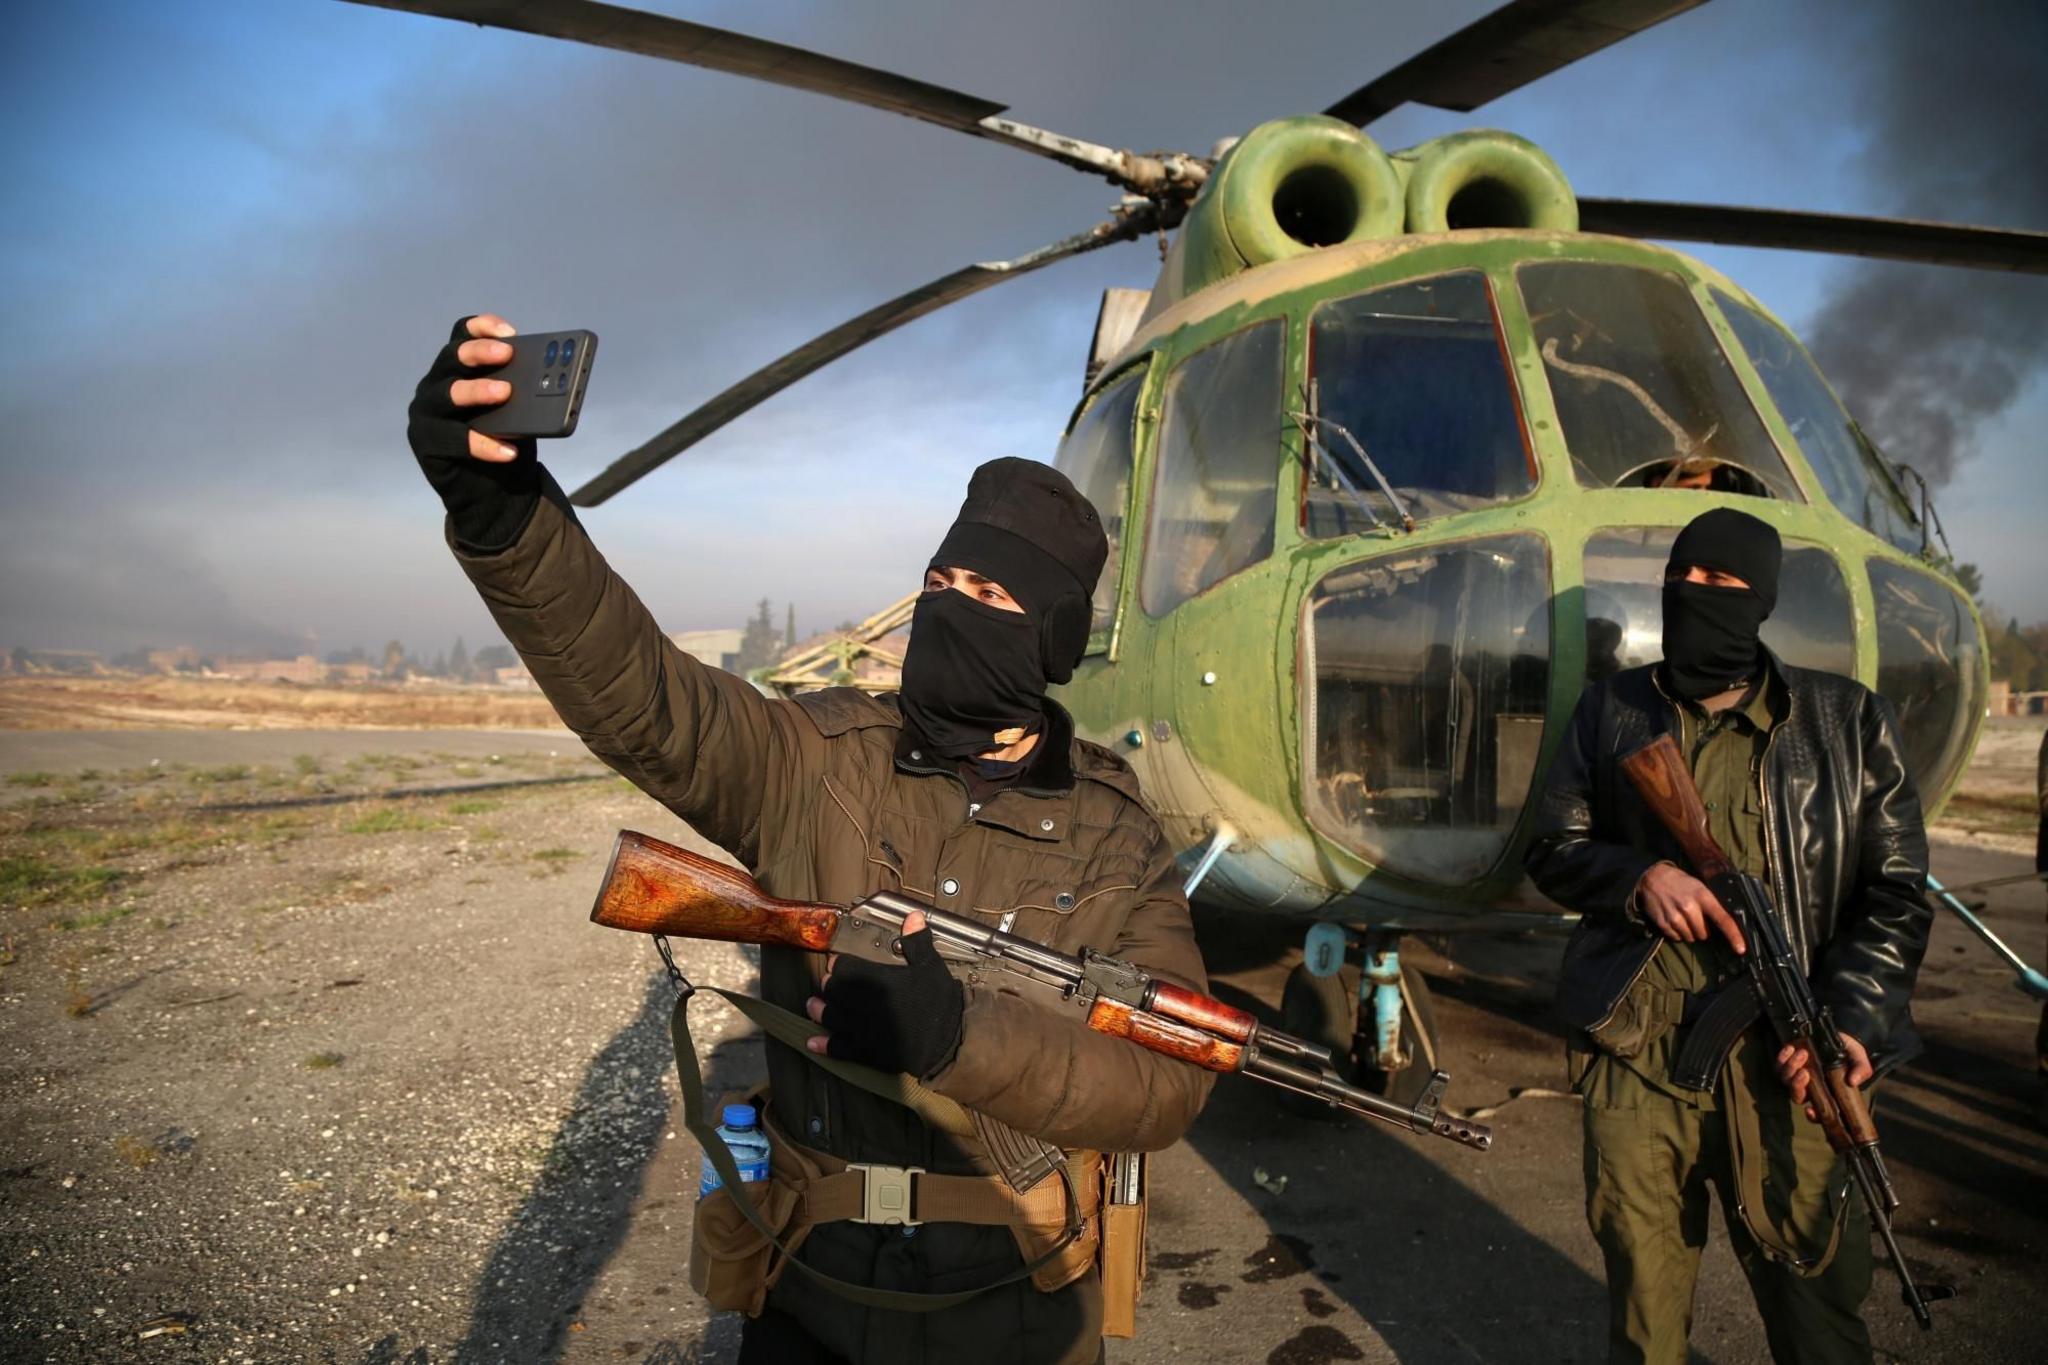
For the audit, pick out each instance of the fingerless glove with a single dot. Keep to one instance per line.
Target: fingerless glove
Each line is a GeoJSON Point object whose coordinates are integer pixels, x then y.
{"type": "Point", "coordinates": [904, 1018]}
{"type": "Point", "coordinates": [488, 504]}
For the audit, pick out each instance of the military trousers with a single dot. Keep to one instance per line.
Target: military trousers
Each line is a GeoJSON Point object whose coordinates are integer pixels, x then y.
{"type": "Point", "coordinates": [1649, 1158]}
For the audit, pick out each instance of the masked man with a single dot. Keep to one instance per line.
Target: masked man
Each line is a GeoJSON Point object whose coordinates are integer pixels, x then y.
{"type": "Point", "coordinates": [1805, 786]}
{"type": "Point", "coordinates": [968, 791]}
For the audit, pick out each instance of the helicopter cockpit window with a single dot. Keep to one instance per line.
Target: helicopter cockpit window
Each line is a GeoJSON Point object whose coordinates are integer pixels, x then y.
{"type": "Point", "coordinates": [1813, 625]}
{"type": "Point", "coordinates": [1928, 666]}
{"type": "Point", "coordinates": [1847, 467]}
{"type": "Point", "coordinates": [1097, 456]}
{"type": "Point", "coordinates": [1219, 455]}
{"type": "Point", "coordinates": [1431, 671]}
{"type": "Point", "coordinates": [1409, 390]}
{"type": "Point", "coordinates": [1643, 392]}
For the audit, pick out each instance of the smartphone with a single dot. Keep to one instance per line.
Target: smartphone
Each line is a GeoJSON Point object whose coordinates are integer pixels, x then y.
{"type": "Point", "coordinates": [547, 372]}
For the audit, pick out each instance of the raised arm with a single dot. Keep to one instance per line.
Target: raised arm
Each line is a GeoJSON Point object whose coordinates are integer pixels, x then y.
{"type": "Point", "coordinates": [699, 740]}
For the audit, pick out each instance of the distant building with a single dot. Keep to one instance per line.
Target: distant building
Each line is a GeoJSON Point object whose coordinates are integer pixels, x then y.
{"type": "Point", "coordinates": [181, 659]}
{"type": "Point", "coordinates": [76, 663]}
{"type": "Point", "coordinates": [354, 673]}
{"type": "Point", "coordinates": [515, 676]}
{"type": "Point", "coordinates": [719, 648]}
{"type": "Point", "coordinates": [306, 668]}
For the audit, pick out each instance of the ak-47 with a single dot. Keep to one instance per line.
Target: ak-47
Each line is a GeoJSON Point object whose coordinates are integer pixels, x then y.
{"type": "Point", "coordinates": [655, 888]}
{"type": "Point", "coordinates": [1776, 989]}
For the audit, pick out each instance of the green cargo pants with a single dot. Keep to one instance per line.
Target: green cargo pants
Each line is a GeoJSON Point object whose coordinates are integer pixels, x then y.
{"type": "Point", "coordinates": [1649, 1157]}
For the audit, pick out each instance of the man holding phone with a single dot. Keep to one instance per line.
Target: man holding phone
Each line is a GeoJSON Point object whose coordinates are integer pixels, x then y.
{"type": "Point", "coordinates": [969, 791]}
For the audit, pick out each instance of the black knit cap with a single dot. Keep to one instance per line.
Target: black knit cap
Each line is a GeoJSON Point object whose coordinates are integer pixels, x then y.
{"type": "Point", "coordinates": [1733, 542]}
{"type": "Point", "coordinates": [1026, 526]}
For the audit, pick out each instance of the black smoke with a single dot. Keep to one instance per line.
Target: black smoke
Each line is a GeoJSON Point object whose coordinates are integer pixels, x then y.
{"type": "Point", "coordinates": [1955, 98]}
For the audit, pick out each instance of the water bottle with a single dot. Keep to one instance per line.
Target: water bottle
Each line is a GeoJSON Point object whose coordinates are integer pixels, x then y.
{"type": "Point", "coordinates": [741, 1133]}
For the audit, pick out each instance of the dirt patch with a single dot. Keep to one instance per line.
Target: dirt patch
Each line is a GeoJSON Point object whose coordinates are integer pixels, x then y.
{"type": "Point", "coordinates": [44, 703]}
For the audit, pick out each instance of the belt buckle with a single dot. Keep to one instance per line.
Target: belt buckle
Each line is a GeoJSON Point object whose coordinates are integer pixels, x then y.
{"type": "Point", "coordinates": [885, 1193]}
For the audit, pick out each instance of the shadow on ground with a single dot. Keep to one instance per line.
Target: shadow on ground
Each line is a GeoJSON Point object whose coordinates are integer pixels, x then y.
{"type": "Point", "coordinates": [579, 1209]}
{"type": "Point", "coordinates": [1396, 1225]}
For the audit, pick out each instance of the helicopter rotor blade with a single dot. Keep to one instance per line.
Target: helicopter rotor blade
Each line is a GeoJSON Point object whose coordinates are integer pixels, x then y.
{"type": "Point", "coordinates": [717, 49]}
{"type": "Point", "coordinates": [1520, 42]}
{"type": "Point", "coordinates": [1134, 221]}
{"type": "Point", "coordinates": [1890, 239]}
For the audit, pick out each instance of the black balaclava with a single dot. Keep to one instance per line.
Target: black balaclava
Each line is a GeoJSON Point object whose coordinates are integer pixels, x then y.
{"type": "Point", "coordinates": [974, 672]}
{"type": "Point", "coordinates": [1710, 634]}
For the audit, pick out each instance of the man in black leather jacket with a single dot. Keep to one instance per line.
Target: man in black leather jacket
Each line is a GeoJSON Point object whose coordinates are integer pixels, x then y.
{"type": "Point", "coordinates": [1806, 786]}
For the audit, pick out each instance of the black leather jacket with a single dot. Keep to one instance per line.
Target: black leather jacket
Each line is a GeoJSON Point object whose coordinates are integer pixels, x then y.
{"type": "Point", "coordinates": [1842, 828]}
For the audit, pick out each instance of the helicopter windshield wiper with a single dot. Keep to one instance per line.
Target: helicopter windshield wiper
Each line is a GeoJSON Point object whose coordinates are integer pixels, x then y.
{"type": "Point", "coordinates": [1393, 498]}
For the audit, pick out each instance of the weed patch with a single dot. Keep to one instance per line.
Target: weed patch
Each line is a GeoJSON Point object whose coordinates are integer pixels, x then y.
{"type": "Point", "coordinates": [32, 779]}
{"type": "Point", "coordinates": [135, 1151]}
{"type": "Point", "coordinates": [27, 879]}
{"type": "Point", "coordinates": [322, 1061]}
{"type": "Point", "coordinates": [387, 820]}
{"type": "Point", "coordinates": [98, 919]}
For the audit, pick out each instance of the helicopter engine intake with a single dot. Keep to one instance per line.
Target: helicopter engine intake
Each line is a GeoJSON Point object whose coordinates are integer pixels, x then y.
{"type": "Point", "coordinates": [1288, 187]}
{"type": "Point", "coordinates": [1485, 179]}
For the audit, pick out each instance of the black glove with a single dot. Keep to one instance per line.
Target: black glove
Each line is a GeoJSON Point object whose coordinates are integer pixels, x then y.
{"type": "Point", "coordinates": [895, 1018]}
{"type": "Point", "coordinates": [488, 504]}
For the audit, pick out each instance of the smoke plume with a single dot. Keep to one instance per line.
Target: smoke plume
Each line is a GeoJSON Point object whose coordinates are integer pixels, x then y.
{"type": "Point", "coordinates": [1956, 100]}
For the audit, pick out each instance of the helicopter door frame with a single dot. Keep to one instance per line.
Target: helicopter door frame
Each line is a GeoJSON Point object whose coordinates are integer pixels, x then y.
{"type": "Point", "coordinates": [1144, 414]}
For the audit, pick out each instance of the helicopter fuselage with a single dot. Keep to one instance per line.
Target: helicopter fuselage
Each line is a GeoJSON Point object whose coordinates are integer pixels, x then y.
{"type": "Point", "coordinates": [1389, 505]}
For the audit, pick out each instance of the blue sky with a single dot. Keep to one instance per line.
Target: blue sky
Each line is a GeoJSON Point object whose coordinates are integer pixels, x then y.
{"type": "Point", "coordinates": [237, 231]}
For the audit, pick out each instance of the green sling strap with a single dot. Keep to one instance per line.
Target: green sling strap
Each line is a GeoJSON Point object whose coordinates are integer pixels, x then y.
{"type": "Point", "coordinates": [1750, 1157]}
{"type": "Point", "coordinates": [934, 1108]}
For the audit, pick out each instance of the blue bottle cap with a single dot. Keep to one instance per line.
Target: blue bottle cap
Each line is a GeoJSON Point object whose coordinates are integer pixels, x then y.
{"type": "Point", "coordinates": [739, 1116]}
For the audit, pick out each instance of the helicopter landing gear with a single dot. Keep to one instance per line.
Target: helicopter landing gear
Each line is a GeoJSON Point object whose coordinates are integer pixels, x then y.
{"type": "Point", "coordinates": [1375, 1015]}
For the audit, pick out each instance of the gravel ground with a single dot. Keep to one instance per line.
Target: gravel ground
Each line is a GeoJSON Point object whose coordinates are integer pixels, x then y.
{"type": "Point", "coordinates": [359, 1084]}
{"type": "Point", "coordinates": [323, 1089]}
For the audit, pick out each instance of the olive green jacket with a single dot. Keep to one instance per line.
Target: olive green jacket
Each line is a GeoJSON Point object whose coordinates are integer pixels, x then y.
{"type": "Point", "coordinates": [820, 798]}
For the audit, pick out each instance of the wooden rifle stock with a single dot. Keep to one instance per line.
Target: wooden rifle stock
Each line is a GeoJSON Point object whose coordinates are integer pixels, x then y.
{"type": "Point", "coordinates": [1664, 782]}
{"type": "Point", "coordinates": [655, 888]}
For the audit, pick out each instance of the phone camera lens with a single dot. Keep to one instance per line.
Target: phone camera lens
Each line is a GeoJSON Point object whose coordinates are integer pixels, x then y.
{"type": "Point", "coordinates": [551, 353]}
{"type": "Point", "coordinates": [568, 350]}
{"type": "Point", "coordinates": [562, 381]}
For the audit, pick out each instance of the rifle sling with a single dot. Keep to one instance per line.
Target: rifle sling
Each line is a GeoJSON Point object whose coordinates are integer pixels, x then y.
{"type": "Point", "coordinates": [1710, 1038]}
{"type": "Point", "coordinates": [789, 1028]}
{"type": "Point", "coordinates": [1749, 1156]}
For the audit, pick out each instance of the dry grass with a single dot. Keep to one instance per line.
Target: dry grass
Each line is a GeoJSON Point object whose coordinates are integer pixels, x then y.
{"type": "Point", "coordinates": [135, 1151]}
{"type": "Point", "coordinates": [43, 703]}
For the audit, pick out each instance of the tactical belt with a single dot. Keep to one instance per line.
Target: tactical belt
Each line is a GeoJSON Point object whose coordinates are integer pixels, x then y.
{"type": "Point", "coordinates": [866, 1193]}
{"type": "Point", "coordinates": [912, 1193]}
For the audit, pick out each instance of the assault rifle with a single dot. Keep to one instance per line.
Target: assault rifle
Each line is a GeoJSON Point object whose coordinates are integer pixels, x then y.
{"type": "Point", "coordinates": [1775, 989]}
{"type": "Point", "coordinates": [655, 888]}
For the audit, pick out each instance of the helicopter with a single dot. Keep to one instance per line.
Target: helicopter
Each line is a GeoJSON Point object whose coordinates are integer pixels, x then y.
{"type": "Point", "coordinates": [1391, 457]}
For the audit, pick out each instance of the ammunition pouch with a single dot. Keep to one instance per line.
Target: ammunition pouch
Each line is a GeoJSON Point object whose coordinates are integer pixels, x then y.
{"type": "Point", "coordinates": [1601, 992]}
{"type": "Point", "coordinates": [1122, 1255]}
